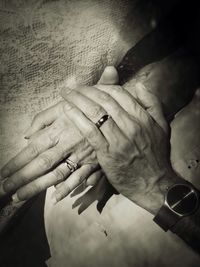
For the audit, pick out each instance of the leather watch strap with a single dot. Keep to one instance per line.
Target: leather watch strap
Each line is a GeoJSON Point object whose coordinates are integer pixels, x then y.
{"type": "Point", "coordinates": [166, 218]}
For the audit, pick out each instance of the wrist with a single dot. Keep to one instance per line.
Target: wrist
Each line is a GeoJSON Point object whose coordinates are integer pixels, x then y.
{"type": "Point", "coordinates": [153, 198]}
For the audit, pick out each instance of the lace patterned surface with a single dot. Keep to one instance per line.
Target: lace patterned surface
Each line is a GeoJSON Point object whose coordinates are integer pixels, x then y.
{"type": "Point", "coordinates": [47, 44]}
{"type": "Point", "coordinates": [43, 45]}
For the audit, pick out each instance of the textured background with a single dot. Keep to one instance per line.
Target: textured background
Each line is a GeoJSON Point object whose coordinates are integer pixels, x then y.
{"type": "Point", "coordinates": [47, 43]}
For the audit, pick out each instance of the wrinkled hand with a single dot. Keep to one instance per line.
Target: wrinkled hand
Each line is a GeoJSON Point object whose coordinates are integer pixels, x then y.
{"type": "Point", "coordinates": [132, 147]}
{"type": "Point", "coordinates": [53, 138]}
{"type": "Point", "coordinates": [40, 164]}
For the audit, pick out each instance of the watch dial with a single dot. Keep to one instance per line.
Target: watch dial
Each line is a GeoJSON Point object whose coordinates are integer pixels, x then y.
{"type": "Point", "coordinates": [182, 199]}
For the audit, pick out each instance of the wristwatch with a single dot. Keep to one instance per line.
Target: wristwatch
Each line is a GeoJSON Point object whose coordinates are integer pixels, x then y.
{"type": "Point", "coordinates": [181, 200]}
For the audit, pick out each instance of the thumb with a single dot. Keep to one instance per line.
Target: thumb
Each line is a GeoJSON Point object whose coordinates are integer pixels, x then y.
{"type": "Point", "coordinates": [109, 76]}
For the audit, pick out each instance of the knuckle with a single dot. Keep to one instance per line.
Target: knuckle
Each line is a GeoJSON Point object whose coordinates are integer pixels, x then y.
{"type": "Point", "coordinates": [117, 89]}
{"type": "Point", "coordinates": [67, 187]}
{"type": "Point", "coordinates": [52, 139]}
{"type": "Point", "coordinates": [104, 97]}
{"type": "Point", "coordinates": [80, 178]}
{"type": "Point", "coordinates": [44, 162]}
{"type": "Point", "coordinates": [116, 110]}
{"type": "Point", "coordinates": [95, 112]}
{"type": "Point", "coordinates": [105, 149]}
{"type": "Point", "coordinates": [136, 129]}
{"type": "Point", "coordinates": [91, 132]}
{"type": "Point", "coordinates": [10, 166]}
{"type": "Point", "coordinates": [33, 150]}
{"type": "Point", "coordinates": [34, 188]}
{"type": "Point", "coordinates": [19, 179]}
{"type": "Point", "coordinates": [59, 175]}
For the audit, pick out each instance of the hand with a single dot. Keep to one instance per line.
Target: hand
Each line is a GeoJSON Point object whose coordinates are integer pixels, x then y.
{"type": "Point", "coordinates": [131, 147]}
{"type": "Point", "coordinates": [40, 165]}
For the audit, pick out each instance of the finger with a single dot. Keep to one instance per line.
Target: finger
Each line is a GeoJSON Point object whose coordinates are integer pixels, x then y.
{"type": "Point", "coordinates": [91, 100]}
{"type": "Point", "coordinates": [90, 181]}
{"type": "Point", "coordinates": [44, 118]}
{"type": "Point", "coordinates": [75, 179]}
{"type": "Point", "coordinates": [109, 76]}
{"type": "Point", "coordinates": [90, 108]}
{"type": "Point", "coordinates": [151, 103]}
{"type": "Point", "coordinates": [56, 176]}
{"type": "Point", "coordinates": [94, 178]}
{"type": "Point", "coordinates": [37, 167]}
{"type": "Point", "coordinates": [145, 98]}
{"type": "Point", "coordinates": [128, 105]}
{"type": "Point", "coordinates": [43, 163]}
{"type": "Point", "coordinates": [120, 95]}
{"type": "Point", "coordinates": [86, 127]}
{"type": "Point", "coordinates": [79, 189]}
{"type": "Point", "coordinates": [29, 153]}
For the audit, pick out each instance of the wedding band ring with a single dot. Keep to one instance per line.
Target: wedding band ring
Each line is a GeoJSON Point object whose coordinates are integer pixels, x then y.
{"type": "Point", "coordinates": [72, 166]}
{"type": "Point", "coordinates": [101, 121]}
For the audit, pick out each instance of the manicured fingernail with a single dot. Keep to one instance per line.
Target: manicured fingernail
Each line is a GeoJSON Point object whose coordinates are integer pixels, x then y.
{"type": "Point", "coordinates": [8, 186]}
{"type": "Point", "coordinates": [15, 198]}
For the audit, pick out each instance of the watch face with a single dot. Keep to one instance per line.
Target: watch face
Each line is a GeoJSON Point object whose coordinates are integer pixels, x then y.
{"type": "Point", "coordinates": [182, 199]}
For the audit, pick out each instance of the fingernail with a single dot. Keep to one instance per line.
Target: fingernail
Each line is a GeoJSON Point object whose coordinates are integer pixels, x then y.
{"type": "Point", "coordinates": [67, 106]}
{"type": "Point", "coordinates": [27, 133]}
{"type": "Point", "coordinates": [67, 90]}
{"type": "Point", "coordinates": [8, 186]}
{"type": "Point", "coordinates": [15, 198]}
